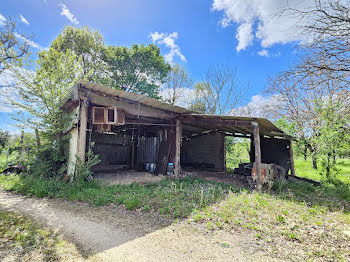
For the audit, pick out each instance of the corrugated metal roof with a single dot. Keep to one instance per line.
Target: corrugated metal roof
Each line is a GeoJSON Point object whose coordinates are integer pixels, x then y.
{"type": "Point", "coordinates": [266, 126]}
{"type": "Point", "coordinates": [142, 99]}
{"type": "Point", "coordinates": [262, 121]}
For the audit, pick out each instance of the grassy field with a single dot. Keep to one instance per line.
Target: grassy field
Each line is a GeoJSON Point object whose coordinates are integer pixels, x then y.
{"type": "Point", "coordinates": [304, 169]}
{"type": "Point", "coordinates": [23, 240]}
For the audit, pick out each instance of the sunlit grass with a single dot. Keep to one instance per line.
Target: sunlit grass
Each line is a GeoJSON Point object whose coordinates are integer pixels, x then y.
{"type": "Point", "coordinates": [304, 169]}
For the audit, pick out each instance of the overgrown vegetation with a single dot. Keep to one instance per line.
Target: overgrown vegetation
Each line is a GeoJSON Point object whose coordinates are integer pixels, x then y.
{"type": "Point", "coordinates": [23, 240]}
{"type": "Point", "coordinates": [174, 198]}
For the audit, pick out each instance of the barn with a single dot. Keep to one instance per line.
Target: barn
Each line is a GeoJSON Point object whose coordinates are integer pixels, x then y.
{"type": "Point", "coordinates": [132, 131]}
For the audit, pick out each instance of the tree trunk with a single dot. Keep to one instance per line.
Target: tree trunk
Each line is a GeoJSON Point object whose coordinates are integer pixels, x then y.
{"type": "Point", "coordinates": [21, 144]}
{"type": "Point", "coordinates": [334, 158]}
{"type": "Point", "coordinates": [305, 152]}
{"type": "Point", "coordinates": [328, 171]}
{"type": "Point", "coordinates": [37, 137]}
{"type": "Point", "coordinates": [314, 160]}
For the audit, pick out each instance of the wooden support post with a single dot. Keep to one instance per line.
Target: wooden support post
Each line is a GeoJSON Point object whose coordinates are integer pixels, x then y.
{"type": "Point", "coordinates": [132, 152]}
{"type": "Point", "coordinates": [177, 170]}
{"type": "Point", "coordinates": [291, 158]}
{"type": "Point", "coordinates": [257, 154]}
{"type": "Point", "coordinates": [82, 130]}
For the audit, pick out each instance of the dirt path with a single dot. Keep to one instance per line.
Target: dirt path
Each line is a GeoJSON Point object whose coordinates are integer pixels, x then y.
{"type": "Point", "coordinates": [114, 234]}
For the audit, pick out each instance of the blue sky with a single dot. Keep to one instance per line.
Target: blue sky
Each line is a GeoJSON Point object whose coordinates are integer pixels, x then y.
{"type": "Point", "coordinates": [225, 32]}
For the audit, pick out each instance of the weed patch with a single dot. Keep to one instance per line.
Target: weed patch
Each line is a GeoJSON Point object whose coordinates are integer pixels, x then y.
{"type": "Point", "coordinates": [19, 238]}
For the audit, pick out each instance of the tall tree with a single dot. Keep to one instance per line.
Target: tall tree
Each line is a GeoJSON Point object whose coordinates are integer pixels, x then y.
{"type": "Point", "coordinates": [140, 69]}
{"type": "Point", "coordinates": [41, 92]}
{"type": "Point", "coordinates": [219, 93]}
{"type": "Point", "coordinates": [12, 50]}
{"type": "Point", "coordinates": [87, 45]}
{"type": "Point", "coordinates": [177, 83]}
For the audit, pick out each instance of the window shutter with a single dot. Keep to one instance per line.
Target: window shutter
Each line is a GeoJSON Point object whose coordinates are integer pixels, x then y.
{"type": "Point", "coordinates": [98, 116]}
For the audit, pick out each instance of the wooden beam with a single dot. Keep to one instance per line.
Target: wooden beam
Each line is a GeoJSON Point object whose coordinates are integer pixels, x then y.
{"type": "Point", "coordinates": [201, 134]}
{"type": "Point", "coordinates": [291, 158]}
{"type": "Point", "coordinates": [231, 122]}
{"type": "Point", "coordinates": [135, 109]}
{"type": "Point", "coordinates": [177, 170]}
{"type": "Point", "coordinates": [257, 154]}
{"type": "Point", "coordinates": [237, 135]}
{"type": "Point", "coordinates": [82, 129]}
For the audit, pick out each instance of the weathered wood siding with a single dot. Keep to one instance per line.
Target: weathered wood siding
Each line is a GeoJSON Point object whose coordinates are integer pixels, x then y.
{"type": "Point", "coordinates": [113, 149]}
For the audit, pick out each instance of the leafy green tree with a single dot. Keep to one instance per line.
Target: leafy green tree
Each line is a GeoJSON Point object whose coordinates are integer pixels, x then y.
{"type": "Point", "coordinates": [12, 50]}
{"type": "Point", "coordinates": [4, 136]}
{"type": "Point", "coordinates": [40, 95]}
{"type": "Point", "coordinates": [87, 45]}
{"type": "Point", "coordinates": [333, 133]}
{"type": "Point", "coordinates": [139, 69]}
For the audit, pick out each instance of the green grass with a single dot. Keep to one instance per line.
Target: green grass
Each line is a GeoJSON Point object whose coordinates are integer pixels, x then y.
{"type": "Point", "coordinates": [20, 238]}
{"type": "Point", "coordinates": [233, 162]}
{"type": "Point", "coordinates": [174, 198]}
{"type": "Point", "coordinates": [304, 169]}
{"type": "Point", "coordinates": [295, 229]}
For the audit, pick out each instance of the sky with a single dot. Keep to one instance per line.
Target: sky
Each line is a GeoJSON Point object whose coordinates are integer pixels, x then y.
{"type": "Point", "coordinates": [246, 34]}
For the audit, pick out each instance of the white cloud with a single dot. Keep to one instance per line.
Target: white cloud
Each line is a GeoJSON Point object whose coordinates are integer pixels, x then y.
{"type": "Point", "coordinates": [24, 20]}
{"type": "Point", "coordinates": [68, 14]}
{"type": "Point", "coordinates": [29, 42]}
{"type": "Point", "coordinates": [264, 52]}
{"type": "Point", "coordinates": [169, 41]}
{"type": "Point", "coordinates": [260, 106]}
{"type": "Point", "coordinates": [244, 36]}
{"type": "Point", "coordinates": [262, 19]}
{"type": "Point", "coordinates": [2, 19]}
